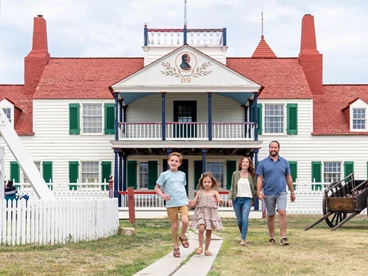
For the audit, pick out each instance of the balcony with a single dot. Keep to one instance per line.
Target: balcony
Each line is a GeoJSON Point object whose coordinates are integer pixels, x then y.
{"type": "Point", "coordinates": [174, 131]}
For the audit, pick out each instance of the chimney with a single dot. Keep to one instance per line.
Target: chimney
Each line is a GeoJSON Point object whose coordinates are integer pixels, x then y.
{"type": "Point", "coordinates": [309, 57]}
{"type": "Point", "coordinates": [38, 57]}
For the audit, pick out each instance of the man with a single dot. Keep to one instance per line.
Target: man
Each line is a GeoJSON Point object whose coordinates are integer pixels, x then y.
{"type": "Point", "coordinates": [273, 174]}
{"type": "Point", "coordinates": [185, 59]}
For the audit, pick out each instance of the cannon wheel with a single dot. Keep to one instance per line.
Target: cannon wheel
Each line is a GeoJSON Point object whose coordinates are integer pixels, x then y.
{"type": "Point", "coordinates": [336, 217]}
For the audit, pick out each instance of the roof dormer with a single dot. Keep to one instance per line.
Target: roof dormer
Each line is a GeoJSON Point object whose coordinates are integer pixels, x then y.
{"type": "Point", "coordinates": [356, 115]}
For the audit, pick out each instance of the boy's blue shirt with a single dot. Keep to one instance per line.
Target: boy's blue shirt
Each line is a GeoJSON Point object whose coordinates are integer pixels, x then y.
{"type": "Point", "coordinates": [173, 183]}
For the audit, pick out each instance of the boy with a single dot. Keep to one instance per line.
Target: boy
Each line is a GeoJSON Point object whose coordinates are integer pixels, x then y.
{"type": "Point", "coordinates": [172, 182]}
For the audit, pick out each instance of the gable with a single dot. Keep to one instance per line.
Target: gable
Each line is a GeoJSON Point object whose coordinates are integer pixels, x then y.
{"type": "Point", "coordinates": [186, 70]}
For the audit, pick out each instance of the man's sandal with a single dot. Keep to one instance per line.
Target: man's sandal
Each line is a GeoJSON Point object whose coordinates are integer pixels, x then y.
{"type": "Point", "coordinates": [199, 251]}
{"type": "Point", "coordinates": [176, 252]}
{"type": "Point", "coordinates": [184, 242]}
{"type": "Point", "coordinates": [207, 253]}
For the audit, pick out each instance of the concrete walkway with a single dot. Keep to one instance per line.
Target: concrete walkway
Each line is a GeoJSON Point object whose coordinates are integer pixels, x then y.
{"type": "Point", "coordinates": [188, 264]}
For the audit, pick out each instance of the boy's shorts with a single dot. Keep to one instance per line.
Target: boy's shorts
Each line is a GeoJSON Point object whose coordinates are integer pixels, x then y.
{"type": "Point", "coordinates": [172, 213]}
{"type": "Point", "coordinates": [277, 200]}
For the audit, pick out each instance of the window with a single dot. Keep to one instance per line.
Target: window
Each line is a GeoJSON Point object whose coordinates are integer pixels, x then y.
{"type": "Point", "coordinates": [38, 166]}
{"type": "Point", "coordinates": [8, 113]}
{"type": "Point", "coordinates": [217, 168]}
{"type": "Point", "coordinates": [143, 175]}
{"type": "Point", "coordinates": [331, 172]}
{"type": "Point", "coordinates": [92, 118]}
{"type": "Point", "coordinates": [90, 172]}
{"type": "Point", "coordinates": [359, 118]}
{"type": "Point", "coordinates": [274, 118]}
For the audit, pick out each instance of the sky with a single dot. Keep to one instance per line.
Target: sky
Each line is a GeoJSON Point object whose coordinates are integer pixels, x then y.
{"type": "Point", "coordinates": [114, 28]}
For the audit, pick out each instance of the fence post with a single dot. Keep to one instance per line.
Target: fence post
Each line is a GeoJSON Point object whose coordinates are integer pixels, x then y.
{"type": "Point", "coordinates": [131, 205]}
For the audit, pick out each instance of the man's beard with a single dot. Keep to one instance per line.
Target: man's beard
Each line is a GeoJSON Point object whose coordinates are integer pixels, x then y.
{"type": "Point", "coordinates": [273, 153]}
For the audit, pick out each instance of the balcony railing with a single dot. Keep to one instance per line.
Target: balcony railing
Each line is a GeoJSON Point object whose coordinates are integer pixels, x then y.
{"type": "Point", "coordinates": [186, 131]}
{"type": "Point", "coordinates": [177, 37]}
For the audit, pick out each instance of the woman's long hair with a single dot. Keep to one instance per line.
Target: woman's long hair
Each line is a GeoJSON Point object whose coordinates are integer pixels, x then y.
{"type": "Point", "coordinates": [250, 168]}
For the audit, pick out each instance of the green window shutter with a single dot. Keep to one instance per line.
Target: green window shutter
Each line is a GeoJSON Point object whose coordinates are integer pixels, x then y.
{"type": "Point", "coordinates": [197, 172]}
{"type": "Point", "coordinates": [132, 174]}
{"type": "Point", "coordinates": [230, 168]}
{"type": "Point", "coordinates": [316, 171]}
{"type": "Point", "coordinates": [73, 174]}
{"type": "Point", "coordinates": [47, 171]}
{"type": "Point", "coordinates": [105, 174]}
{"type": "Point", "coordinates": [292, 119]}
{"type": "Point", "coordinates": [348, 167]}
{"type": "Point", "coordinates": [74, 118]}
{"type": "Point", "coordinates": [152, 174]}
{"type": "Point", "coordinates": [293, 170]}
{"type": "Point", "coordinates": [14, 172]}
{"type": "Point", "coordinates": [109, 115]}
{"type": "Point", "coordinates": [259, 110]}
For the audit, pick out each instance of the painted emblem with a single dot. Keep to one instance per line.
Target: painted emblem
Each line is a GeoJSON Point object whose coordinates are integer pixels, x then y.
{"type": "Point", "coordinates": [186, 67]}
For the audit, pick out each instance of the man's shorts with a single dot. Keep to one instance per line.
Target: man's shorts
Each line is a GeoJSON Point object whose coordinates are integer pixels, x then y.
{"type": "Point", "coordinates": [172, 213]}
{"type": "Point", "coordinates": [279, 201]}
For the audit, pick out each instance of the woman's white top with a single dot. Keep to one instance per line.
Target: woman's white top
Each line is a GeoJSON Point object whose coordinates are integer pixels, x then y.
{"type": "Point", "coordinates": [244, 188]}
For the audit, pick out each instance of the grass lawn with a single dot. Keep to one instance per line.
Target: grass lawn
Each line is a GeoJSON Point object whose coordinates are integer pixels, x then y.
{"type": "Point", "coordinates": [318, 251]}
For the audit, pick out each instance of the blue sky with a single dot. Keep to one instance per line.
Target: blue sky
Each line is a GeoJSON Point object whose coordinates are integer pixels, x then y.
{"type": "Point", "coordinates": [114, 28]}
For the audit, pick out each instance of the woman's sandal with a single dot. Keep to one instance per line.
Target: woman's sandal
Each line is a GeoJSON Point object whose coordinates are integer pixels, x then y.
{"type": "Point", "coordinates": [207, 253]}
{"type": "Point", "coordinates": [176, 252]}
{"type": "Point", "coordinates": [199, 251]}
{"type": "Point", "coordinates": [184, 242]}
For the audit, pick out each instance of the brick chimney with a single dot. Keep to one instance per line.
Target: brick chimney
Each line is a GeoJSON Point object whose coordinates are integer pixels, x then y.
{"type": "Point", "coordinates": [309, 58]}
{"type": "Point", "coordinates": [38, 57]}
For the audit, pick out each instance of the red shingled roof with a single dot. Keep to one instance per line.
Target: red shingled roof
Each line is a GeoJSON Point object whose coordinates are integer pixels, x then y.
{"type": "Point", "coordinates": [282, 78]}
{"type": "Point", "coordinates": [328, 117]}
{"type": "Point", "coordinates": [16, 95]}
{"type": "Point", "coordinates": [263, 50]}
{"type": "Point", "coordinates": [84, 78]}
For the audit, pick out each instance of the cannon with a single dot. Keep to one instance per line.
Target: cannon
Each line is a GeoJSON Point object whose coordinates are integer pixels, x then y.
{"type": "Point", "coordinates": [342, 201]}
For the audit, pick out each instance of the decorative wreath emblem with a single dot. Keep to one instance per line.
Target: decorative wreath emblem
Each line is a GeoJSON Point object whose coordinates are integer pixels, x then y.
{"type": "Point", "coordinates": [198, 72]}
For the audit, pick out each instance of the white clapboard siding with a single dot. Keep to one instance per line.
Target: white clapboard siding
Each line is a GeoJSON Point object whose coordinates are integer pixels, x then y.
{"type": "Point", "coordinates": [57, 221]}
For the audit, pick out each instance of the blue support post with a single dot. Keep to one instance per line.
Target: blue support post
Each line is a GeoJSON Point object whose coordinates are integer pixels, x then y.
{"type": "Point", "coordinates": [255, 117]}
{"type": "Point", "coordinates": [163, 115]}
{"type": "Point", "coordinates": [224, 42]}
{"type": "Point", "coordinates": [204, 161]}
{"type": "Point", "coordinates": [145, 32]}
{"type": "Point", "coordinates": [121, 171]}
{"type": "Point", "coordinates": [250, 118]}
{"type": "Point", "coordinates": [185, 34]}
{"type": "Point", "coordinates": [116, 174]}
{"type": "Point", "coordinates": [168, 151]}
{"type": "Point", "coordinates": [116, 123]}
{"type": "Point", "coordinates": [209, 95]}
{"type": "Point", "coordinates": [124, 173]}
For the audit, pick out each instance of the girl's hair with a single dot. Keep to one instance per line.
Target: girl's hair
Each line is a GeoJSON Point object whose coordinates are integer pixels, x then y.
{"type": "Point", "coordinates": [215, 183]}
{"type": "Point", "coordinates": [250, 168]}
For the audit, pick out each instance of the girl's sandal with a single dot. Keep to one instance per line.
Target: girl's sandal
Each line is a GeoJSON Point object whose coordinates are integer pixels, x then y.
{"type": "Point", "coordinates": [199, 251]}
{"type": "Point", "coordinates": [176, 252]}
{"type": "Point", "coordinates": [207, 253]}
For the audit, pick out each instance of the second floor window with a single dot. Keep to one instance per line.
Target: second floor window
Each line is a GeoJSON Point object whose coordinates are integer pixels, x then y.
{"type": "Point", "coordinates": [92, 118]}
{"type": "Point", "coordinates": [274, 118]}
{"type": "Point", "coordinates": [8, 113]}
{"type": "Point", "coordinates": [332, 172]}
{"type": "Point", "coordinates": [90, 172]}
{"type": "Point", "coordinates": [359, 118]}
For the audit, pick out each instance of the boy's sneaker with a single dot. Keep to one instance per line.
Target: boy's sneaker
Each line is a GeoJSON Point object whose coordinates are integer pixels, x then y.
{"type": "Point", "coordinates": [284, 241]}
{"type": "Point", "coordinates": [271, 241]}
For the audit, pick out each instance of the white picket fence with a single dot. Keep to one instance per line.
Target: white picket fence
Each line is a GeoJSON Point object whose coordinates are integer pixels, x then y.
{"type": "Point", "coordinates": [57, 221]}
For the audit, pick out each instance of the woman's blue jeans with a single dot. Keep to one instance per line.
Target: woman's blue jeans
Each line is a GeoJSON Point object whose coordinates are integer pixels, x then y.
{"type": "Point", "coordinates": [242, 207]}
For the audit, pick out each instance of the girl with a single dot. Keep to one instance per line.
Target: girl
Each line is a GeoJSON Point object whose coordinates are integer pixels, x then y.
{"type": "Point", "coordinates": [205, 215]}
{"type": "Point", "coordinates": [242, 194]}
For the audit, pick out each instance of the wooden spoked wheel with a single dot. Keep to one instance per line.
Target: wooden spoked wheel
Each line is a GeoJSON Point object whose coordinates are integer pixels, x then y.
{"type": "Point", "coordinates": [333, 219]}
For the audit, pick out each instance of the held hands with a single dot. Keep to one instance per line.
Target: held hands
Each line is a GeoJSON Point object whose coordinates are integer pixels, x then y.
{"type": "Point", "coordinates": [191, 204]}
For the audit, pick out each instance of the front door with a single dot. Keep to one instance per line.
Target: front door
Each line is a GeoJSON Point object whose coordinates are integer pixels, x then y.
{"type": "Point", "coordinates": [185, 113]}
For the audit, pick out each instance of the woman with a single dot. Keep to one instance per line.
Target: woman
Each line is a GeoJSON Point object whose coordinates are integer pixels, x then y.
{"type": "Point", "coordinates": [242, 194]}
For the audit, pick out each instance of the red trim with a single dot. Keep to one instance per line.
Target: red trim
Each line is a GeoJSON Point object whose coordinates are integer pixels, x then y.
{"type": "Point", "coordinates": [181, 30]}
{"type": "Point", "coordinates": [153, 193]}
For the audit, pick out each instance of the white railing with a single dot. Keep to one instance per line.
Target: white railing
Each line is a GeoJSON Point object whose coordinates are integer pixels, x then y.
{"type": "Point", "coordinates": [186, 131]}
{"type": "Point", "coordinates": [57, 221]}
